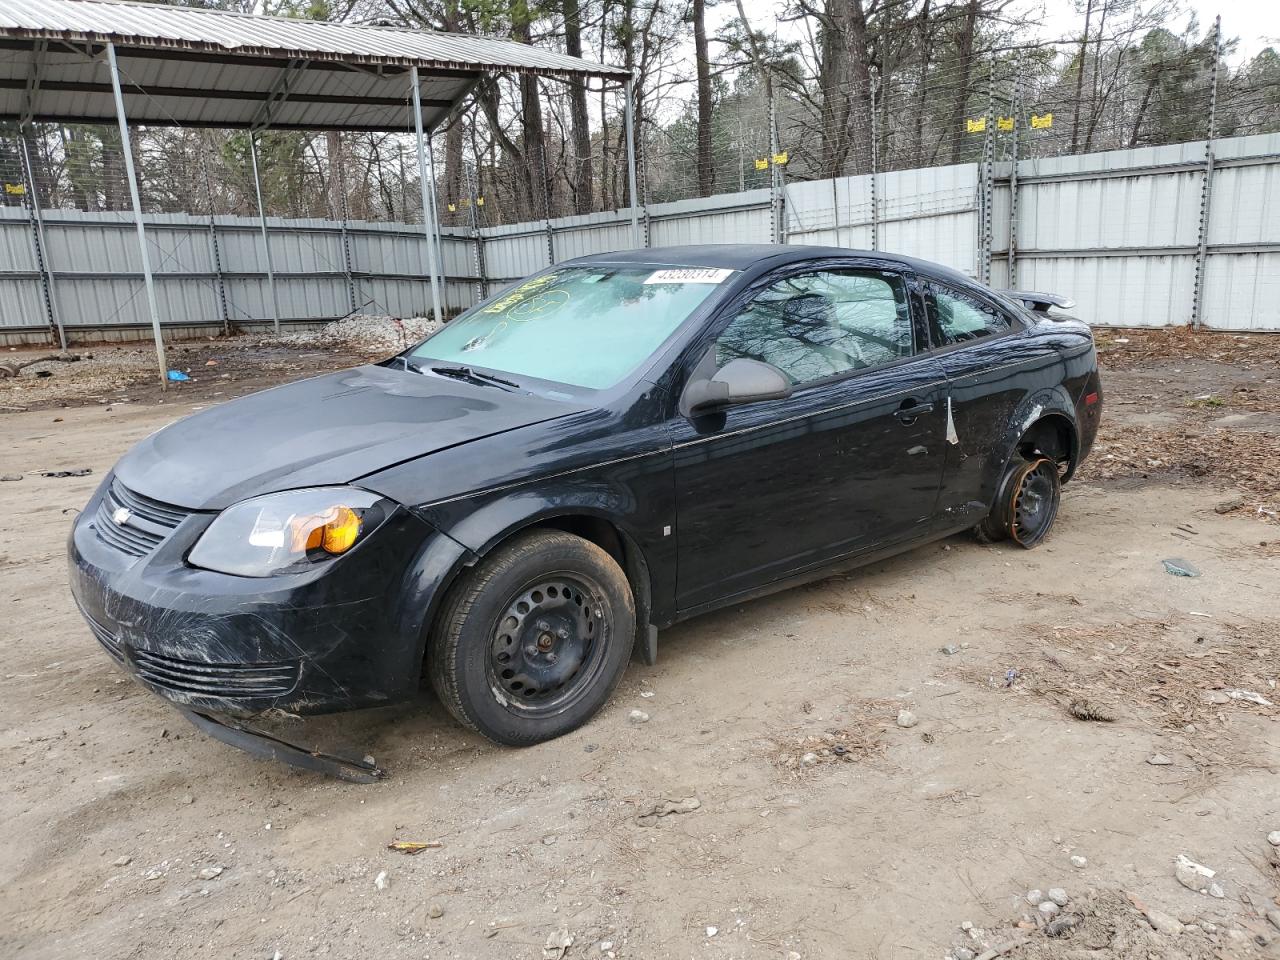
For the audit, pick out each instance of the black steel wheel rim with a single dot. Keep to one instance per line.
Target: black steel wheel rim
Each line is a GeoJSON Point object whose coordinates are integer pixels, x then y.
{"type": "Point", "coordinates": [1035, 502]}
{"type": "Point", "coordinates": [547, 648]}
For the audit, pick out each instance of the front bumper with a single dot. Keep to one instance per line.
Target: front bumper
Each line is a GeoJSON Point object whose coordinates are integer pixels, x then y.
{"type": "Point", "coordinates": [331, 639]}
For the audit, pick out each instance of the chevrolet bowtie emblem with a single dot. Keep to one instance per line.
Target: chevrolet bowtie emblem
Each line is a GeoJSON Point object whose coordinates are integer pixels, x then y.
{"type": "Point", "coordinates": [120, 516]}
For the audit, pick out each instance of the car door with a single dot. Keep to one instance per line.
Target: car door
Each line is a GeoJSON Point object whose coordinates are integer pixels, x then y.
{"type": "Point", "coordinates": [986, 359]}
{"type": "Point", "coordinates": [850, 460]}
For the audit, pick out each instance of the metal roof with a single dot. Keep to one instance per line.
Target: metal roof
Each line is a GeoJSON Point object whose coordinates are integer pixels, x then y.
{"type": "Point", "coordinates": [183, 66]}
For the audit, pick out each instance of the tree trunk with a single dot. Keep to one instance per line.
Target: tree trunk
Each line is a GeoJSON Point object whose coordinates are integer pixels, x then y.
{"type": "Point", "coordinates": [958, 127]}
{"type": "Point", "coordinates": [706, 173]}
{"type": "Point", "coordinates": [922, 92]}
{"type": "Point", "coordinates": [1084, 52]}
{"type": "Point", "coordinates": [1142, 112]}
{"type": "Point", "coordinates": [534, 168]}
{"type": "Point", "coordinates": [580, 130]}
{"type": "Point", "coordinates": [333, 152]}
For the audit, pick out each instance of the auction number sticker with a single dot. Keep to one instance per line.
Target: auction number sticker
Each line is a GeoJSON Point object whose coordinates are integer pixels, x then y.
{"type": "Point", "coordinates": [689, 275]}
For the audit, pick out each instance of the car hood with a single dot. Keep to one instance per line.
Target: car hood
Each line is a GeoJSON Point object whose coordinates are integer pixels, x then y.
{"type": "Point", "coordinates": [330, 430]}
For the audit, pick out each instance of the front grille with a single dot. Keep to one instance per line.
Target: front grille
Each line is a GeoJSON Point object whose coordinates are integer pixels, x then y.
{"type": "Point", "coordinates": [147, 522]}
{"type": "Point", "coordinates": [197, 678]}
{"type": "Point", "coordinates": [109, 641]}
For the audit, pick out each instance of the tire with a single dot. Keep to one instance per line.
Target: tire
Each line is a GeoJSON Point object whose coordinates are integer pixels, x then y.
{"type": "Point", "coordinates": [531, 644]}
{"type": "Point", "coordinates": [1026, 504]}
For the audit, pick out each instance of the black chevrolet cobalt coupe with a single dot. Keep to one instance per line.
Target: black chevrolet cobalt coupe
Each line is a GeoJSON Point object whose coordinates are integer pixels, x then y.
{"type": "Point", "coordinates": [516, 505]}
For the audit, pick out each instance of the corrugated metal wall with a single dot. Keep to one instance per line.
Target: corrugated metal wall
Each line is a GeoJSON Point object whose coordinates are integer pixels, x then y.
{"type": "Point", "coordinates": [1116, 231]}
{"type": "Point", "coordinates": [1119, 232]}
{"type": "Point", "coordinates": [97, 271]}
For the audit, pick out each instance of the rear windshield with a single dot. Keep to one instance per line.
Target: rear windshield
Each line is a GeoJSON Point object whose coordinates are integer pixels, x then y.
{"type": "Point", "coordinates": [583, 326]}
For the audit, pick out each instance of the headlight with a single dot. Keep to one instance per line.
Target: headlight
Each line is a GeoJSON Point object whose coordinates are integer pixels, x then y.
{"type": "Point", "coordinates": [287, 532]}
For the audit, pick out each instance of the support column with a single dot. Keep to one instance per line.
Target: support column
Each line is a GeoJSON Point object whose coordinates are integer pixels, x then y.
{"type": "Point", "coordinates": [428, 202]}
{"type": "Point", "coordinates": [262, 224]}
{"type": "Point", "coordinates": [42, 249]}
{"type": "Point", "coordinates": [631, 163]}
{"type": "Point", "coordinates": [127, 149]}
{"type": "Point", "coordinates": [442, 284]}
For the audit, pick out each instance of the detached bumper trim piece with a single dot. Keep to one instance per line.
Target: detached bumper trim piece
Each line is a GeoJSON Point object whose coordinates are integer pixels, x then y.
{"type": "Point", "coordinates": [261, 744]}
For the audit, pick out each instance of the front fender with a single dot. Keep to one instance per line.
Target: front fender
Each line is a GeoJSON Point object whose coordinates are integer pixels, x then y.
{"type": "Point", "coordinates": [644, 526]}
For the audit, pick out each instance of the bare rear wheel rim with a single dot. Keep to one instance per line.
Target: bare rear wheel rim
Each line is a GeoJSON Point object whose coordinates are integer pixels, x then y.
{"type": "Point", "coordinates": [1035, 502]}
{"type": "Point", "coordinates": [547, 648]}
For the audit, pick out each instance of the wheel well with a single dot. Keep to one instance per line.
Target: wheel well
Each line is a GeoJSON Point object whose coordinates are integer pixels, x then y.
{"type": "Point", "coordinates": [1052, 436]}
{"type": "Point", "coordinates": [619, 546]}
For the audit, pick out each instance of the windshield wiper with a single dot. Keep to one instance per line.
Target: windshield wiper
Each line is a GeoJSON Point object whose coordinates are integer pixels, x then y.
{"type": "Point", "coordinates": [473, 376]}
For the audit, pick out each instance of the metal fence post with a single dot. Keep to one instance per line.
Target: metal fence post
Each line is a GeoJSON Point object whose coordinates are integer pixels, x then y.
{"type": "Point", "coordinates": [126, 148]}
{"type": "Point", "coordinates": [988, 176]}
{"type": "Point", "coordinates": [546, 204]}
{"type": "Point", "coordinates": [482, 285]}
{"type": "Point", "coordinates": [1206, 187]}
{"type": "Point", "coordinates": [775, 205]}
{"type": "Point", "coordinates": [631, 161]}
{"type": "Point", "coordinates": [644, 193]}
{"type": "Point", "coordinates": [342, 213]}
{"type": "Point", "coordinates": [32, 198]}
{"type": "Point", "coordinates": [1013, 174]}
{"type": "Point", "coordinates": [875, 167]}
{"type": "Point", "coordinates": [214, 250]}
{"type": "Point", "coordinates": [262, 225]}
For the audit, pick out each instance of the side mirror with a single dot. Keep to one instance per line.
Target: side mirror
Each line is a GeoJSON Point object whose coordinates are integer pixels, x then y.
{"type": "Point", "coordinates": [738, 381]}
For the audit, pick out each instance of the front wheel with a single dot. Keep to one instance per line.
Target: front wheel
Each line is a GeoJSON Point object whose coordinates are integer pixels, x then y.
{"type": "Point", "coordinates": [533, 642]}
{"type": "Point", "coordinates": [1026, 504]}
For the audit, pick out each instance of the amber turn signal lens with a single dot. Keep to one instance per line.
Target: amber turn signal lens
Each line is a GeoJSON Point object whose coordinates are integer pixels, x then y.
{"type": "Point", "coordinates": [340, 533]}
{"type": "Point", "coordinates": [334, 531]}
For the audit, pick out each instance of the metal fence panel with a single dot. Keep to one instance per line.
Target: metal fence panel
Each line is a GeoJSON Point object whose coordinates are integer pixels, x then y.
{"type": "Point", "coordinates": [1116, 231]}
{"type": "Point", "coordinates": [727, 218]}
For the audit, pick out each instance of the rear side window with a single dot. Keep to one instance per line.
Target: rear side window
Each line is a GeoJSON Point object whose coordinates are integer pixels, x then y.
{"type": "Point", "coordinates": [822, 324]}
{"type": "Point", "coordinates": [961, 317]}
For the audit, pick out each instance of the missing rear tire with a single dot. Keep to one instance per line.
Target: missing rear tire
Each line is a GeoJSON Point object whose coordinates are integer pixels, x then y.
{"type": "Point", "coordinates": [1026, 505]}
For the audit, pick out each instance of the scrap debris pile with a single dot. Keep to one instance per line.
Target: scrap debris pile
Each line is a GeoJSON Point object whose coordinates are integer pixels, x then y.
{"type": "Point", "coordinates": [368, 335]}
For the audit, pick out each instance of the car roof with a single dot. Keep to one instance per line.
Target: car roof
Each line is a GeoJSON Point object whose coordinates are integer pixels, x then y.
{"type": "Point", "coordinates": [743, 256]}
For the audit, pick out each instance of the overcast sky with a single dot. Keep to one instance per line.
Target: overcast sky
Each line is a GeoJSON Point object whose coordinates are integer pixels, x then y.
{"type": "Point", "coordinates": [1256, 23]}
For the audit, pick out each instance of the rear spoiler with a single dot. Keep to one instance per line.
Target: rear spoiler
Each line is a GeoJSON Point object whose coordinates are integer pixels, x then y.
{"type": "Point", "coordinates": [1039, 302]}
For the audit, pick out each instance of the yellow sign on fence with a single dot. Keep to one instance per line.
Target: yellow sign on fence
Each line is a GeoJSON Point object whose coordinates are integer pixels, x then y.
{"type": "Point", "coordinates": [1041, 121]}
{"type": "Point", "coordinates": [1004, 123]}
{"type": "Point", "coordinates": [762, 164]}
{"type": "Point", "coordinates": [977, 126]}
{"type": "Point", "coordinates": [16, 189]}
{"type": "Point", "coordinates": [780, 159]}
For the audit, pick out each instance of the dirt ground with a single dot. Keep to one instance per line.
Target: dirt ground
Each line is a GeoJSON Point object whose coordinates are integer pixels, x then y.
{"type": "Point", "coordinates": [805, 821]}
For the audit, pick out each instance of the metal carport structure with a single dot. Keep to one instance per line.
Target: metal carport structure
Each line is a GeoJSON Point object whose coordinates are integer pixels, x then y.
{"type": "Point", "coordinates": [100, 61]}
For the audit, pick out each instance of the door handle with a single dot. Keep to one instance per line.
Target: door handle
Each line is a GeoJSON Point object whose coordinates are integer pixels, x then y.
{"type": "Point", "coordinates": [911, 409]}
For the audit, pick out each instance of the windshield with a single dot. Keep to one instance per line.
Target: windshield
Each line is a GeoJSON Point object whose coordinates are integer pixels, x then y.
{"type": "Point", "coordinates": [584, 326]}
